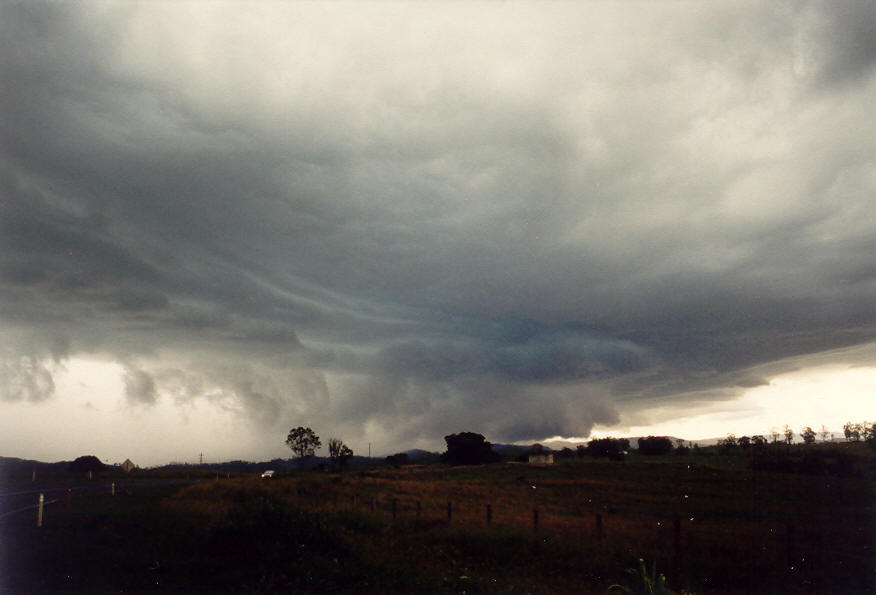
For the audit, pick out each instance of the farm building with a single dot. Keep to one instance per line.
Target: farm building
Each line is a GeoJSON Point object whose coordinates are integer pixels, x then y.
{"type": "Point", "coordinates": [127, 466]}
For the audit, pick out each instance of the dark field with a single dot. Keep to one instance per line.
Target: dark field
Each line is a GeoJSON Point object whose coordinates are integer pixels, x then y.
{"type": "Point", "coordinates": [709, 524]}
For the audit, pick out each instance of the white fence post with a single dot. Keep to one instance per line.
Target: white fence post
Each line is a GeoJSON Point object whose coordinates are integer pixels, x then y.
{"type": "Point", "coordinates": [40, 511]}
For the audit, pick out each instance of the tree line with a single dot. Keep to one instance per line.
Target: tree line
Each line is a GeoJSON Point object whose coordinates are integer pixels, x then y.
{"type": "Point", "coordinates": [854, 432]}
{"type": "Point", "coordinates": [471, 448]}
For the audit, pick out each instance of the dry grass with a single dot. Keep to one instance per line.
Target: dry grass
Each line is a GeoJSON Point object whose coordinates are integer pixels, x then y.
{"type": "Point", "coordinates": [733, 525]}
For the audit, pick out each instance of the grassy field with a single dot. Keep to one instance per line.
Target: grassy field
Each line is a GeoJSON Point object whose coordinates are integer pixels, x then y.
{"type": "Point", "coordinates": [710, 524]}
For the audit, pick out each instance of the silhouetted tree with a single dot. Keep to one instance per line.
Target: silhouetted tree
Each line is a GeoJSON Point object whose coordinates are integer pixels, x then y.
{"type": "Point", "coordinates": [85, 464]}
{"type": "Point", "coordinates": [607, 447]}
{"type": "Point", "coordinates": [789, 434]}
{"type": "Point", "coordinates": [870, 433]}
{"type": "Point", "coordinates": [468, 448]}
{"type": "Point", "coordinates": [339, 453]}
{"type": "Point", "coordinates": [398, 459]}
{"type": "Point", "coordinates": [728, 445]}
{"type": "Point", "coordinates": [303, 442]}
{"type": "Point", "coordinates": [655, 445]}
{"type": "Point", "coordinates": [852, 431]}
{"type": "Point", "coordinates": [730, 440]}
{"type": "Point", "coordinates": [808, 435]}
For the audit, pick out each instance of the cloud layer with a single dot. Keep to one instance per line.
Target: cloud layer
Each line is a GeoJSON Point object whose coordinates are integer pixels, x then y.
{"type": "Point", "coordinates": [407, 221]}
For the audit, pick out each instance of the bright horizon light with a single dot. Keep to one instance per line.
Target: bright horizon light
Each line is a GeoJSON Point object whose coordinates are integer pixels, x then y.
{"type": "Point", "coordinates": [826, 396]}
{"type": "Point", "coordinates": [91, 394]}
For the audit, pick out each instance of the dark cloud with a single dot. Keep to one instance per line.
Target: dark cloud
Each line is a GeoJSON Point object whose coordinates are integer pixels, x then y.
{"type": "Point", "coordinates": [26, 379]}
{"type": "Point", "coordinates": [513, 229]}
{"type": "Point", "coordinates": [842, 42]}
{"type": "Point", "coordinates": [139, 387]}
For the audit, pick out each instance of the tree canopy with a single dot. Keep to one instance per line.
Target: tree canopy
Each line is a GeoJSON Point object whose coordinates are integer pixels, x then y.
{"type": "Point", "coordinates": [656, 445]}
{"type": "Point", "coordinates": [86, 463]}
{"type": "Point", "coordinates": [607, 447]}
{"type": "Point", "coordinates": [339, 453]}
{"type": "Point", "coordinates": [303, 442]}
{"type": "Point", "coordinates": [468, 448]}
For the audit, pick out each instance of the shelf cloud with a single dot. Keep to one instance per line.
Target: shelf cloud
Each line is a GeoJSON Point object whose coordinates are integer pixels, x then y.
{"type": "Point", "coordinates": [411, 220]}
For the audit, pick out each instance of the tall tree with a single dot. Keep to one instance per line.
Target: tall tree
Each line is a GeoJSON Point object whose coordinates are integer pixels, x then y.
{"type": "Point", "coordinates": [808, 435]}
{"type": "Point", "coordinates": [303, 442]}
{"type": "Point", "coordinates": [468, 448]}
{"type": "Point", "coordinates": [339, 453]}
{"type": "Point", "coordinates": [657, 445]}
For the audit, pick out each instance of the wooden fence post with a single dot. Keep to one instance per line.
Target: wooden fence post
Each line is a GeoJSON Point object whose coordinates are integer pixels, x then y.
{"type": "Point", "coordinates": [489, 515]}
{"type": "Point", "coordinates": [40, 511]}
{"type": "Point", "coordinates": [676, 529]}
{"type": "Point", "coordinates": [69, 493]}
{"type": "Point", "coordinates": [394, 506]}
{"type": "Point", "coordinates": [419, 509]}
{"type": "Point", "coordinates": [535, 519]}
{"type": "Point", "coordinates": [449, 510]}
{"type": "Point", "coordinates": [791, 534]}
{"type": "Point", "coordinates": [598, 526]}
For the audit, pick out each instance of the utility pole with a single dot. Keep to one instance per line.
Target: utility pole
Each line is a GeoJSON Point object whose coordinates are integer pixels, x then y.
{"type": "Point", "coordinates": [201, 458]}
{"type": "Point", "coordinates": [369, 450]}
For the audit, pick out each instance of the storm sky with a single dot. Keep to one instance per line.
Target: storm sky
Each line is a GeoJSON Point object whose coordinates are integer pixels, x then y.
{"type": "Point", "coordinates": [394, 221]}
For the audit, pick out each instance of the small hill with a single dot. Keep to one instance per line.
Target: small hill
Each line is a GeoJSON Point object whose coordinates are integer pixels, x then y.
{"type": "Point", "coordinates": [12, 467]}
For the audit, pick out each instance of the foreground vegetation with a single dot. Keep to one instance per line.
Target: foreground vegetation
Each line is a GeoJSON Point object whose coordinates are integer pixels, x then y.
{"type": "Point", "coordinates": [710, 523]}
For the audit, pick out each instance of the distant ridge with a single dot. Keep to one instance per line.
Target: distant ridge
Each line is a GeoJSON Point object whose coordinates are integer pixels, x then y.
{"type": "Point", "coordinates": [14, 466]}
{"type": "Point", "coordinates": [11, 466]}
